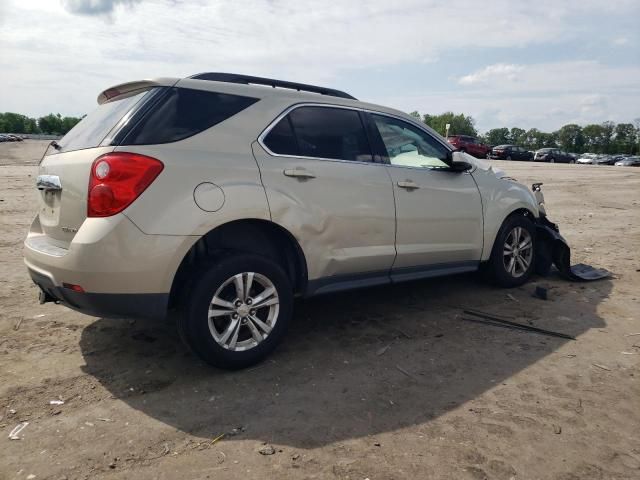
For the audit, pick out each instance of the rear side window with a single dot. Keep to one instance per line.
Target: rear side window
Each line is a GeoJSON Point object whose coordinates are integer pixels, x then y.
{"type": "Point", "coordinates": [93, 128]}
{"type": "Point", "coordinates": [321, 132]}
{"type": "Point", "coordinates": [184, 112]}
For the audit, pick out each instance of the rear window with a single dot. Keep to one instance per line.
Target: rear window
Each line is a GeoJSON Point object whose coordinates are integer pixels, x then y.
{"type": "Point", "coordinates": [184, 112]}
{"type": "Point", "coordinates": [93, 128]}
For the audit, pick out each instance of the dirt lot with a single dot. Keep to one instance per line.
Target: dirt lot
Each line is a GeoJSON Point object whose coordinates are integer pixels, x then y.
{"type": "Point", "coordinates": [383, 383]}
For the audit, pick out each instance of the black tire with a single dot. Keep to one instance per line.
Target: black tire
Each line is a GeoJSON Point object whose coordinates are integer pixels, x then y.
{"type": "Point", "coordinates": [509, 157]}
{"type": "Point", "coordinates": [552, 160]}
{"type": "Point", "coordinates": [495, 268]}
{"type": "Point", "coordinates": [193, 324]}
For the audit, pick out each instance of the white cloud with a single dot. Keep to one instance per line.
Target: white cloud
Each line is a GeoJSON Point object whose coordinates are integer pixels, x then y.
{"type": "Point", "coordinates": [499, 70]}
{"type": "Point", "coordinates": [546, 95]}
{"type": "Point", "coordinates": [59, 56]}
{"type": "Point", "coordinates": [620, 41]}
{"type": "Point", "coordinates": [95, 7]}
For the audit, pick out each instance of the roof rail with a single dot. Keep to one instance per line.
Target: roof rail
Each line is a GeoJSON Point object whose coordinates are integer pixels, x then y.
{"type": "Point", "coordinates": [248, 79]}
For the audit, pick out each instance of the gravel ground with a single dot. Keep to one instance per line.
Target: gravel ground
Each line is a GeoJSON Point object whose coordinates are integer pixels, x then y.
{"type": "Point", "coordinates": [382, 383]}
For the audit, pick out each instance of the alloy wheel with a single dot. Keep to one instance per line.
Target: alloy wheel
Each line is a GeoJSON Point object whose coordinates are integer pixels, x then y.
{"type": "Point", "coordinates": [243, 311]}
{"type": "Point", "coordinates": [517, 252]}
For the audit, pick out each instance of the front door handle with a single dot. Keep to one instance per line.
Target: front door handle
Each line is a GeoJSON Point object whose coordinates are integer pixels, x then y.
{"type": "Point", "coordinates": [48, 183]}
{"type": "Point", "coordinates": [408, 184]}
{"type": "Point", "coordinates": [299, 173]}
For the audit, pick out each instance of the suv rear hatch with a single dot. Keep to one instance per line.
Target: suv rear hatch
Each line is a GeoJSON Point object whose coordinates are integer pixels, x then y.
{"type": "Point", "coordinates": [63, 176]}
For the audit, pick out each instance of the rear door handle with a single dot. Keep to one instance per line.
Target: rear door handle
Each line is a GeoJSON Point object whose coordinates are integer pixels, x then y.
{"type": "Point", "coordinates": [299, 173]}
{"type": "Point", "coordinates": [408, 184]}
{"type": "Point", "coordinates": [48, 183]}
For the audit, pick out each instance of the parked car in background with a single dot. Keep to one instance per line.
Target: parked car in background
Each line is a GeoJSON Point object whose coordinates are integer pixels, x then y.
{"type": "Point", "coordinates": [471, 145]}
{"type": "Point", "coordinates": [586, 158]}
{"type": "Point", "coordinates": [4, 138]}
{"type": "Point", "coordinates": [606, 160]}
{"type": "Point", "coordinates": [628, 162]}
{"type": "Point", "coordinates": [553, 155]}
{"type": "Point", "coordinates": [510, 152]}
{"type": "Point", "coordinates": [15, 138]}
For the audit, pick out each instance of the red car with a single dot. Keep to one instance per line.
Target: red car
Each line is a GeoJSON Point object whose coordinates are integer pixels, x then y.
{"type": "Point", "coordinates": [471, 145]}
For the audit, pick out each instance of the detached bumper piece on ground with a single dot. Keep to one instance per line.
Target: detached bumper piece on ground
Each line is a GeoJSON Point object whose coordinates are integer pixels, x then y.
{"type": "Point", "coordinates": [553, 250]}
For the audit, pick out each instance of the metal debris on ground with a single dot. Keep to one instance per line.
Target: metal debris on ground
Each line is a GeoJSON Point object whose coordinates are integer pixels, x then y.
{"type": "Point", "coordinates": [632, 334]}
{"type": "Point", "coordinates": [14, 434]}
{"type": "Point", "coordinates": [383, 350]}
{"type": "Point", "coordinates": [217, 439]}
{"type": "Point", "coordinates": [511, 297]}
{"type": "Point", "coordinates": [557, 429]}
{"type": "Point", "coordinates": [603, 367]}
{"type": "Point", "coordinates": [496, 321]}
{"type": "Point", "coordinates": [18, 323]}
{"type": "Point", "coordinates": [56, 402]}
{"type": "Point", "coordinates": [411, 376]}
{"type": "Point", "coordinates": [541, 293]}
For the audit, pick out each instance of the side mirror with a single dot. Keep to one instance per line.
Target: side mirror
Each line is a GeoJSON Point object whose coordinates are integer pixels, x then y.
{"type": "Point", "coordinates": [457, 163]}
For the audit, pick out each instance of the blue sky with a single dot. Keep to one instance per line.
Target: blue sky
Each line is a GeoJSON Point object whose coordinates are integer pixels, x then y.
{"type": "Point", "coordinates": [507, 63]}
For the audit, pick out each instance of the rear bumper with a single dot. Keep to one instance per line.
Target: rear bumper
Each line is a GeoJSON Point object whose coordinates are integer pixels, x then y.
{"type": "Point", "coordinates": [123, 272]}
{"type": "Point", "coordinates": [107, 305]}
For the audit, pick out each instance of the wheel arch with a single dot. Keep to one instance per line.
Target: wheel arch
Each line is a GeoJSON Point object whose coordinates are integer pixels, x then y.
{"type": "Point", "coordinates": [255, 236]}
{"type": "Point", "coordinates": [517, 210]}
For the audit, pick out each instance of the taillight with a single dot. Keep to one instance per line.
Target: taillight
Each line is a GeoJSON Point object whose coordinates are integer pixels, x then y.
{"type": "Point", "coordinates": [117, 179]}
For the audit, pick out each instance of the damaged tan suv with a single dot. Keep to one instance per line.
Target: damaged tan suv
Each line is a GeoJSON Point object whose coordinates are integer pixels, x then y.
{"type": "Point", "coordinates": [224, 197]}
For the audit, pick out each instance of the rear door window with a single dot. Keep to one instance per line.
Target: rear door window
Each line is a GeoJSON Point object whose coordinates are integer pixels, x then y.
{"type": "Point", "coordinates": [320, 132]}
{"type": "Point", "coordinates": [281, 139]}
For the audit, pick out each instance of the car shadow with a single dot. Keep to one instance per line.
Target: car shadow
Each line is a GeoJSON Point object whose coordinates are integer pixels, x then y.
{"type": "Point", "coordinates": [352, 364]}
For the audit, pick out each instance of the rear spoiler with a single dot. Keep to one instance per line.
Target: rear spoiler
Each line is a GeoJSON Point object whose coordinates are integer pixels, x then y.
{"type": "Point", "coordinates": [125, 88]}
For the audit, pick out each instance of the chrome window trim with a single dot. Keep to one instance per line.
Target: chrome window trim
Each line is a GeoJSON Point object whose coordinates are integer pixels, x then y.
{"type": "Point", "coordinates": [291, 108]}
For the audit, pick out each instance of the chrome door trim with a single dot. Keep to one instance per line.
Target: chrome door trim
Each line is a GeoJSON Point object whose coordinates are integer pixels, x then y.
{"type": "Point", "coordinates": [291, 108]}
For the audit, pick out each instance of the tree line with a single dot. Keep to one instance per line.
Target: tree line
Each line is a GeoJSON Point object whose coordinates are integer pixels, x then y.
{"type": "Point", "coordinates": [606, 137]}
{"type": "Point", "coordinates": [52, 124]}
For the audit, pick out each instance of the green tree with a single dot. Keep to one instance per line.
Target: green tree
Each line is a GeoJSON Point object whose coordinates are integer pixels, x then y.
{"type": "Point", "coordinates": [571, 138]}
{"type": "Point", "coordinates": [517, 136]}
{"type": "Point", "coordinates": [460, 124]}
{"type": "Point", "coordinates": [497, 136]}
{"type": "Point", "coordinates": [607, 137]}
{"type": "Point", "coordinates": [68, 123]}
{"type": "Point", "coordinates": [594, 138]}
{"type": "Point", "coordinates": [625, 138]}
{"type": "Point", "coordinates": [51, 124]}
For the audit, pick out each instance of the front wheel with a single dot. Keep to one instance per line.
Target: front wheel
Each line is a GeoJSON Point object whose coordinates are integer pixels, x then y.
{"type": "Point", "coordinates": [508, 157]}
{"type": "Point", "coordinates": [552, 160]}
{"type": "Point", "coordinates": [238, 311]}
{"type": "Point", "coordinates": [513, 255]}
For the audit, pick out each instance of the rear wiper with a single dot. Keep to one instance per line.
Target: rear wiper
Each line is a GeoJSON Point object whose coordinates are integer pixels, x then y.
{"type": "Point", "coordinates": [55, 145]}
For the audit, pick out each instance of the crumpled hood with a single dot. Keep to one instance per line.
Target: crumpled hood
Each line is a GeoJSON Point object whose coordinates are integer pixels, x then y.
{"type": "Point", "coordinates": [481, 164]}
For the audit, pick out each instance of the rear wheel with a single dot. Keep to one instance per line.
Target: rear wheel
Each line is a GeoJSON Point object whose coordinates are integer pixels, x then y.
{"type": "Point", "coordinates": [508, 157]}
{"type": "Point", "coordinates": [552, 160]}
{"type": "Point", "coordinates": [513, 255]}
{"type": "Point", "coordinates": [238, 311]}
